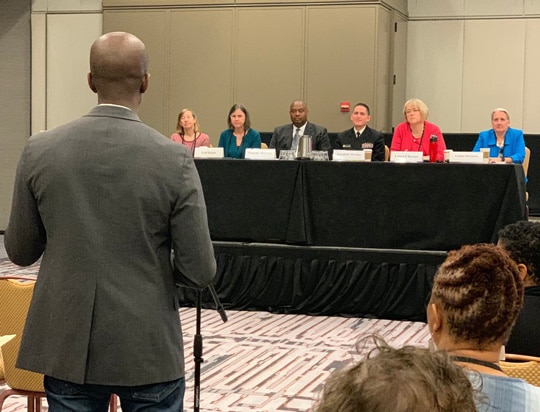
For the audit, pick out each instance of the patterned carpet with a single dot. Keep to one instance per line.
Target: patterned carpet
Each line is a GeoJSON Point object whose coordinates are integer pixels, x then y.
{"type": "Point", "coordinates": [259, 361]}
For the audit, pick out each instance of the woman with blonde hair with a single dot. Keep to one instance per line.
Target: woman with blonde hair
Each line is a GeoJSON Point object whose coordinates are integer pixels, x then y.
{"type": "Point", "coordinates": [188, 131]}
{"type": "Point", "coordinates": [414, 133]}
{"type": "Point", "coordinates": [505, 144]}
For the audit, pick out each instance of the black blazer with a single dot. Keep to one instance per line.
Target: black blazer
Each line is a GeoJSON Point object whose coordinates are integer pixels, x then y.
{"type": "Point", "coordinates": [348, 140]}
{"type": "Point", "coordinates": [525, 337]}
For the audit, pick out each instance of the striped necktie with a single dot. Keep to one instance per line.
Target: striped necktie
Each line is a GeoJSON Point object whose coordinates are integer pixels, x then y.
{"type": "Point", "coordinates": [295, 139]}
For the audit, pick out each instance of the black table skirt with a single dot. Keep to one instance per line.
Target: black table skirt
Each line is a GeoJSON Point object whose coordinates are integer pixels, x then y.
{"type": "Point", "coordinates": [351, 239]}
{"type": "Point", "coordinates": [322, 281]}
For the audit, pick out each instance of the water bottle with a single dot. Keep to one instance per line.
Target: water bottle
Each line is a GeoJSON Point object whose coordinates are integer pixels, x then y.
{"type": "Point", "coordinates": [433, 146]}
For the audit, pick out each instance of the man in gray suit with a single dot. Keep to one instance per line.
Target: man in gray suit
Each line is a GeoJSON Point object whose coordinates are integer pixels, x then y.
{"type": "Point", "coordinates": [286, 137]}
{"type": "Point", "coordinates": [105, 199]}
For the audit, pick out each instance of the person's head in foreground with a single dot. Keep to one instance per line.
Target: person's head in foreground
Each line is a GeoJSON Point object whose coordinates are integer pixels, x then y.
{"type": "Point", "coordinates": [476, 296]}
{"type": "Point", "coordinates": [409, 379]}
{"type": "Point", "coordinates": [522, 242]}
{"type": "Point", "coordinates": [118, 69]}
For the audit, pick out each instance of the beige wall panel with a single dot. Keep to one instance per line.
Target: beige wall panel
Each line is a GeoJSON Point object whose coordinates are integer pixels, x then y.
{"type": "Point", "coordinates": [458, 8]}
{"type": "Point", "coordinates": [15, 88]}
{"type": "Point", "coordinates": [160, 3]}
{"type": "Point", "coordinates": [269, 63]}
{"type": "Point", "coordinates": [399, 62]}
{"type": "Point", "coordinates": [434, 70]}
{"type": "Point", "coordinates": [66, 5]}
{"type": "Point", "coordinates": [340, 62]}
{"type": "Point", "coordinates": [494, 8]}
{"type": "Point", "coordinates": [69, 37]}
{"type": "Point", "coordinates": [381, 106]}
{"type": "Point", "coordinates": [531, 98]}
{"type": "Point", "coordinates": [431, 8]}
{"type": "Point", "coordinates": [532, 7]}
{"type": "Point", "coordinates": [493, 71]}
{"type": "Point", "coordinates": [152, 28]}
{"type": "Point", "coordinates": [39, 5]}
{"type": "Point", "coordinates": [399, 5]}
{"type": "Point", "coordinates": [39, 72]}
{"type": "Point", "coordinates": [201, 68]}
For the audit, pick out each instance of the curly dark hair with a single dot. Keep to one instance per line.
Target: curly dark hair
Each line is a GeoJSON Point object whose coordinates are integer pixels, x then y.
{"type": "Point", "coordinates": [522, 242]}
{"type": "Point", "coordinates": [399, 380]}
{"type": "Point", "coordinates": [480, 293]}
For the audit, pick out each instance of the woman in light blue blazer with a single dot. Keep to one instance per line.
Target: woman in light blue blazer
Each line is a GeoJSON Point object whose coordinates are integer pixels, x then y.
{"type": "Point", "coordinates": [505, 144]}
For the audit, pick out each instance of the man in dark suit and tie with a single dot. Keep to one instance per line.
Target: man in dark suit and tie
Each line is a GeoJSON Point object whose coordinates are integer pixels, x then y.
{"type": "Point", "coordinates": [105, 200]}
{"type": "Point", "coordinates": [286, 137]}
{"type": "Point", "coordinates": [361, 136]}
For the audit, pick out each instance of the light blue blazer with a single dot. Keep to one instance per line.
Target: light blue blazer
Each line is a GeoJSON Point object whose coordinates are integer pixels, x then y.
{"type": "Point", "coordinates": [514, 144]}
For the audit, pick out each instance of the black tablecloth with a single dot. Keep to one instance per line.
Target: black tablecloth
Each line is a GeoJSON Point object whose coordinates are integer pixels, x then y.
{"type": "Point", "coordinates": [367, 205]}
{"type": "Point", "coordinates": [466, 141]}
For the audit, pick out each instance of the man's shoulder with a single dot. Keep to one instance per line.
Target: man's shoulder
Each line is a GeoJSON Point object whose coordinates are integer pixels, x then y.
{"type": "Point", "coordinates": [283, 127]}
{"type": "Point", "coordinates": [316, 126]}
{"type": "Point", "coordinates": [346, 132]}
{"type": "Point", "coordinates": [374, 132]}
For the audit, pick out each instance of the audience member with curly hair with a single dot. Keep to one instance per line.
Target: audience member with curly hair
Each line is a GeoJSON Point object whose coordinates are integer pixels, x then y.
{"type": "Point", "coordinates": [476, 297]}
{"type": "Point", "coordinates": [522, 242]}
{"type": "Point", "coordinates": [409, 379]}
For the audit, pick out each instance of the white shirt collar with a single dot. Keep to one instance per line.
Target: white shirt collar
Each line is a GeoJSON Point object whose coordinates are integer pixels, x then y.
{"type": "Point", "coordinates": [302, 129]}
{"type": "Point", "coordinates": [114, 105]}
{"type": "Point", "coordinates": [361, 130]}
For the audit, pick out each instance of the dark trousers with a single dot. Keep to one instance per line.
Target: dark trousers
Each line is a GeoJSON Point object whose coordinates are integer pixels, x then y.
{"type": "Point", "coordinates": [63, 396]}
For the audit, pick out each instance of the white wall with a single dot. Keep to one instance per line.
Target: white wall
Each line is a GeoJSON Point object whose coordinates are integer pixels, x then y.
{"type": "Point", "coordinates": [463, 59]}
{"type": "Point", "coordinates": [62, 33]}
{"type": "Point", "coordinates": [467, 57]}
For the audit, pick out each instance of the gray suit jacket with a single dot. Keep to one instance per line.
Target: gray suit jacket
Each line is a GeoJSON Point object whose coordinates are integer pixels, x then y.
{"type": "Point", "coordinates": [105, 198]}
{"type": "Point", "coordinates": [283, 135]}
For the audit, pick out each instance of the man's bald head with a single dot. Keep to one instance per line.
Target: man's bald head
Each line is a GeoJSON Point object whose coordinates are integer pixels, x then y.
{"type": "Point", "coordinates": [118, 67]}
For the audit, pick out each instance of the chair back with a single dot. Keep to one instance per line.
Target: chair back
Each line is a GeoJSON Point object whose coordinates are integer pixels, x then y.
{"type": "Point", "coordinates": [15, 296]}
{"type": "Point", "coordinates": [386, 153]}
{"type": "Point", "coordinates": [526, 160]}
{"type": "Point", "coordinates": [523, 367]}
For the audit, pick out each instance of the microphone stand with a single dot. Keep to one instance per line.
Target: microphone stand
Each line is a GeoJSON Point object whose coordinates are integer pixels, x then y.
{"type": "Point", "coordinates": [198, 342]}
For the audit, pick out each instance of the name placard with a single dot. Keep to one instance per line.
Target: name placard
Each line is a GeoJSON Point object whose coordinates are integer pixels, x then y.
{"type": "Point", "coordinates": [349, 155]}
{"type": "Point", "coordinates": [261, 154]}
{"type": "Point", "coordinates": [203, 152]}
{"type": "Point", "coordinates": [466, 157]}
{"type": "Point", "coordinates": [406, 157]}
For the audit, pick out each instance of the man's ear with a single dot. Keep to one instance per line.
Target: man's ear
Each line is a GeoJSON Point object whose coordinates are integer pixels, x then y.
{"type": "Point", "coordinates": [91, 83]}
{"type": "Point", "coordinates": [144, 84]}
